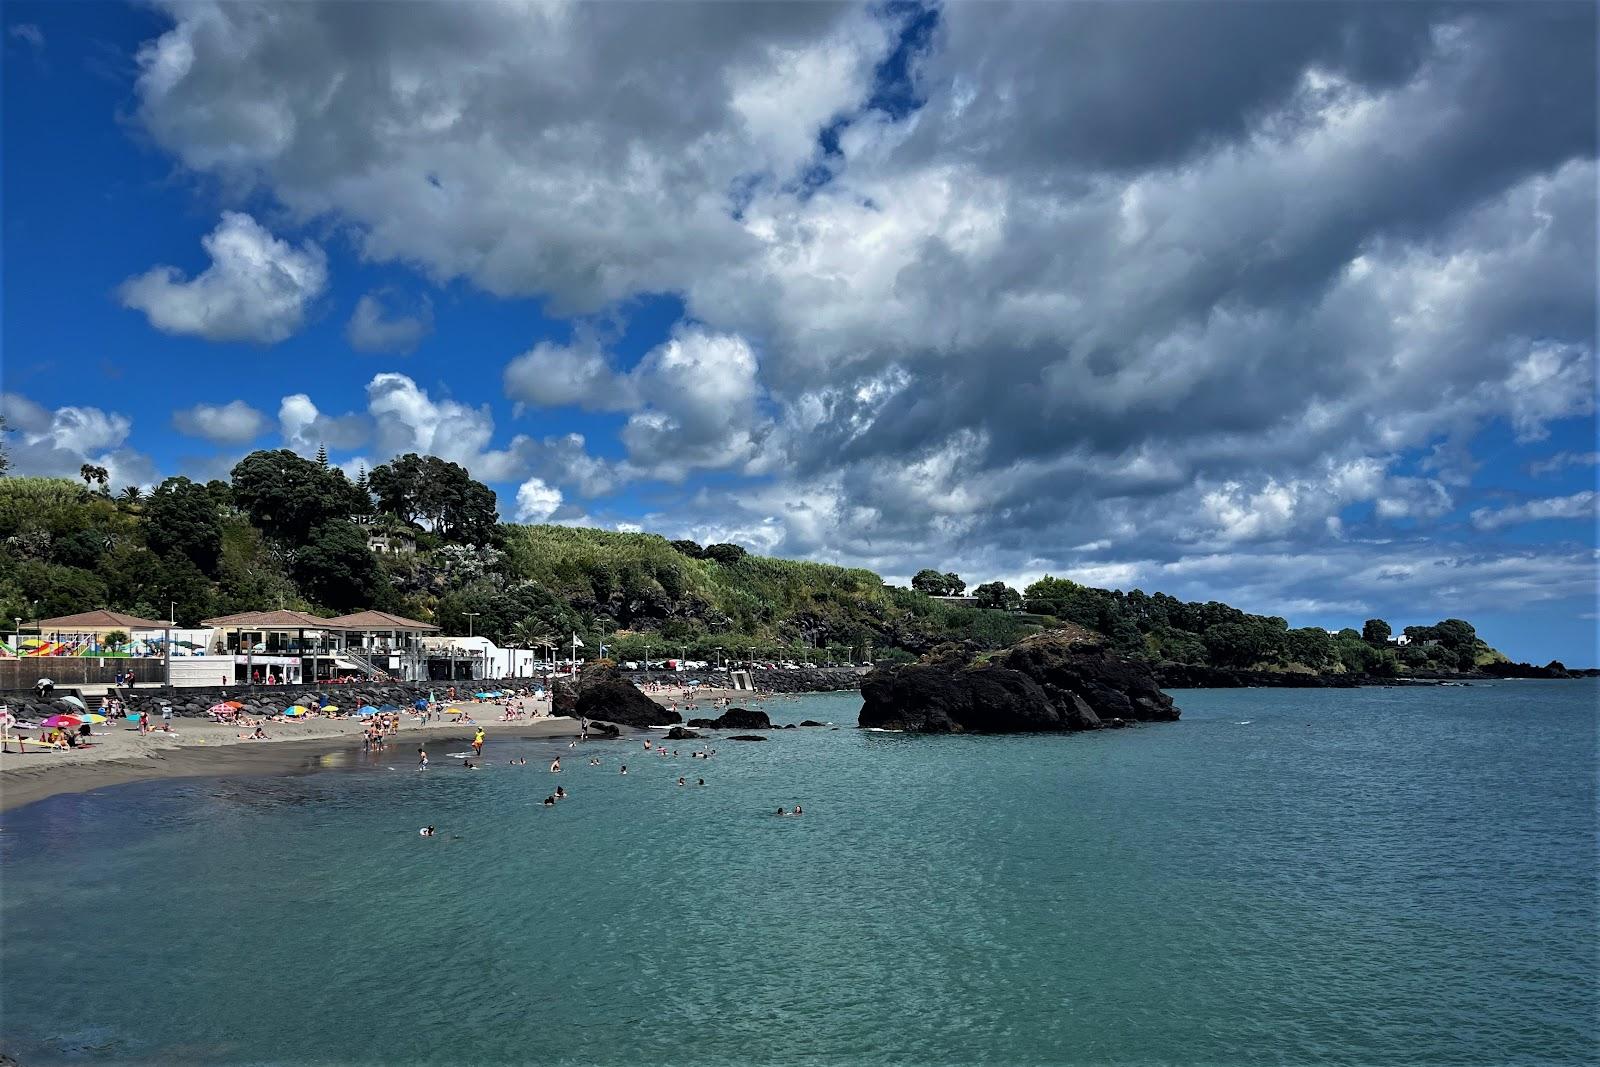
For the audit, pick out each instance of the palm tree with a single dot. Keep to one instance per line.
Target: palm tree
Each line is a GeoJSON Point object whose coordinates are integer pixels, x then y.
{"type": "Point", "coordinates": [132, 493]}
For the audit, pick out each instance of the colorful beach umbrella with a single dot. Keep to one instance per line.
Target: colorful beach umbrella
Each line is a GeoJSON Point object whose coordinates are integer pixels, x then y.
{"type": "Point", "coordinates": [453, 711]}
{"type": "Point", "coordinates": [91, 717]}
{"type": "Point", "coordinates": [330, 707]}
{"type": "Point", "coordinates": [57, 721]}
{"type": "Point", "coordinates": [295, 711]}
{"type": "Point", "coordinates": [367, 709]}
{"type": "Point", "coordinates": [75, 702]}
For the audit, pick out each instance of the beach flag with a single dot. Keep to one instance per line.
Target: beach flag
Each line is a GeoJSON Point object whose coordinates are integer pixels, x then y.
{"type": "Point", "coordinates": [576, 643]}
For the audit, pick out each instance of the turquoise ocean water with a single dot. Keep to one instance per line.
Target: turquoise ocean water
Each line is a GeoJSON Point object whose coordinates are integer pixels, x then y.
{"type": "Point", "coordinates": [1377, 876]}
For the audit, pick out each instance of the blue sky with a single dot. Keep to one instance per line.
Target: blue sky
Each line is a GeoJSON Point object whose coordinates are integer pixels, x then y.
{"type": "Point", "coordinates": [892, 286]}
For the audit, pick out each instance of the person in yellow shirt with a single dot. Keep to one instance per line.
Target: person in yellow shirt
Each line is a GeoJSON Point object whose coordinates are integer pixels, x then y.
{"type": "Point", "coordinates": [477, 742]}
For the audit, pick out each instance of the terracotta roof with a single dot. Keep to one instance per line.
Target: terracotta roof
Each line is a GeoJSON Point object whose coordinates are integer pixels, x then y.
{"type": "Point", "coordinates": [272, 620]}
{"type": "Point", "coordinates": [99, 620]}
{"type": "Point", "coordinates": [379, 620]}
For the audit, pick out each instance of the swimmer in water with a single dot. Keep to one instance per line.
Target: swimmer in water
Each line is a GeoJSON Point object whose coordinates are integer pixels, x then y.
{"type": "Point", "coordinates": [624, 768]}
{"type": "Point", "coordinates": [426, 831]}
{"type": "Point", "coordinates": [797, 810]}
{"type": "Point", "coordinates": [782, 812]}
{"type": "Point", "coordinates": [701, 782]}
{"type": "Point", "coordinates": [550, 801]}
{"type": "Point", "coordinates": [422, 756]}
{"type": "Point", "coordinates": [681, 782]}
{"type": "Point", "coordinates": [555, 765]}
{"type": "Point", "coordinates": [561, 794]}
{"type": "Point", "coordinates": [647, 745]}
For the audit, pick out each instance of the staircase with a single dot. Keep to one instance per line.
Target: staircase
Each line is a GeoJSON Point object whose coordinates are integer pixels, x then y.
{"type": "Point", "coordinates": [371, 668]}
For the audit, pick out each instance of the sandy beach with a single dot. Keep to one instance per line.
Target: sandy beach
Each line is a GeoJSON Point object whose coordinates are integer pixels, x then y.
{"type": "Point", "coordinates": [200, 747]}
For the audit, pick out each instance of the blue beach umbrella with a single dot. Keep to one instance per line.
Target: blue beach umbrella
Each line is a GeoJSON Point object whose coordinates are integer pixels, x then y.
{"type": "Point", "coordinates": [367, 709]}
{"type": "Point", "coordinates": [422, 705]}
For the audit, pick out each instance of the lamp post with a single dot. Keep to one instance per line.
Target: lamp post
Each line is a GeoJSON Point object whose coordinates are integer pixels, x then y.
{"type": "Point", "coordinates": [470, 616]}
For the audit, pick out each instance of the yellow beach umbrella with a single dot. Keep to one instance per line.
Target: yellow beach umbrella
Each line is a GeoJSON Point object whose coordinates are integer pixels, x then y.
{"type": "Point", "coordinates": [330, 707]}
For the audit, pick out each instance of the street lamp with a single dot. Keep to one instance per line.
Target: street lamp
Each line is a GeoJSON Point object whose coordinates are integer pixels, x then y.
{"type": "Point", "coordinates": [470, 616]}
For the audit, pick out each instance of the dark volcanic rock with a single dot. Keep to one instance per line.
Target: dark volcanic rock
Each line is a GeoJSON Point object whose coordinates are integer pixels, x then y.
{"type": "Point", "coordinates": [604, 730]}
{"type": "Point", "coordinates": [1060, 680]}
{"type": "Point", "coordinates": [735, 719]}
{"type": "Point", "coordinates": [812, 722]}
{"type": "Point", "coordinates": [563, 699]}
{"type": "Point", "coordinates": [678, 733]}
{"type": "Point", "coordinates": [605, 693]}
{"type": "Point", "coordinates": [746, 737]}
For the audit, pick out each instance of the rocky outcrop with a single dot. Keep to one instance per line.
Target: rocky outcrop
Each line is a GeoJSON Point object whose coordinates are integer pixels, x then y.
{"type": "Point", "coordinates": [604, 731]}
{"type": "Point", "coordinates": [735, 719]}
{"type": "Point", "coordinates": [678, 733]}
{"type": "Point", "coordinates": [604, 692]}
{"type": "Point", "coordinates": [563, 698]}
{"type": "Point", "coordinates": [1060, 680]}
{"type": "Point", "coordinates": [746, 737]}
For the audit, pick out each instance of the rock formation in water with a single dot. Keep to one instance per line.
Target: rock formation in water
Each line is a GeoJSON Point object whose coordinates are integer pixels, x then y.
{"type": "Point", "coordinates": [604, 693]}
{"type": "Point", "coordinates": [1055, 681]}
{"type": "Point", "coordinates": [735, 719]}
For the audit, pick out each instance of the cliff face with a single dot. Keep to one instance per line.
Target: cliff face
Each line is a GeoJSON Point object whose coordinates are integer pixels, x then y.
{"type": "Point", "coordinates": [1056, 681]}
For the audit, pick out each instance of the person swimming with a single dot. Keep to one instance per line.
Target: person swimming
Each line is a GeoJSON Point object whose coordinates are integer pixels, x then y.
{"type": "Point", "coordinates": [647, 745]}
{"type": "Point", "coordinates": [682, 782]}
{"type": "Point", "coordinates": [701, 782]}
{"type": "Point", "coordinates": [555, 765]}
{"type": "Point", "coordinates": [561, 794]}
{"type": "Point", "coordinates": [797, 811]}
{"type": "Point", "coordinates": [550, 801]}
{"type": "Point", "coordinates": [624, 768]}
{"type": "Point", "coordinates": [426, 831]}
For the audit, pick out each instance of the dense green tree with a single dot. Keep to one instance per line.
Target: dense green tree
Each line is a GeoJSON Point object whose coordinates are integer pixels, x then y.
{"type": "Point", "coordinates": [337, 569]}
{"type": "Point", "coordinates": [688, 548]}
{"type": "Point", "coordinates": [953, 585]}
{"type": "Point", "coordinates": [1311, 647]}
{"type": "Point", "coordinates": [928, 581]}
{"type": "Point", "coordinates": [998, 595]}
{"type": "Point", "coordinates": [428, 491]}
{"type": "Point", "coordinates": [181, 518]}
{"type": "Point", "coordinates": [288, 496]}
{"type": "Point", "coordinates": [725, 553]}
{"type": "Point", "coordinates": [1375, 632]}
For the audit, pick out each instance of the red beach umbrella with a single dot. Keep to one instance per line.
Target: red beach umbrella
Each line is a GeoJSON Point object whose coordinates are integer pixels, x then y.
{"type": "Point", "coordinates": [57, 721]}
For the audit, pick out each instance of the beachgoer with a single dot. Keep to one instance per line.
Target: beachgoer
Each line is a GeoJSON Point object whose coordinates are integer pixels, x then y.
{"type": "Point", "coordinates": [797, 810]}
{"type": "Point", "coordinates": [682, 782]}
{"type": "Point", "coordinates": [477, 741]}
{"type": "Point", "coordinates": [561, 794]}
{"type": "Point", "coordinates": [550, 801]}
{"type": "Point", "coordinates": [701, 782]}
{"type": "Point", "coordinates": [422, 756]}
{"type": "Point", "coordinates": [426, 831]}
{"type": "Point", "coordinates": [555, 765]}
{"type": "Point", "coordinates": [624, 768]}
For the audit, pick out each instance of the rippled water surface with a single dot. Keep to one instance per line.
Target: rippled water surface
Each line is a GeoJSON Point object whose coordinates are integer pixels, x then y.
{"type": "Point", "coordinates": [1379, 876]}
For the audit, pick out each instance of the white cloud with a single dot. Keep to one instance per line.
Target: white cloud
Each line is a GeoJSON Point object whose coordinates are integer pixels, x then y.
{"type": "Point", "coordinates": [29, 32]}
{"type": "Point", "coordinates": [407, 419]}
{"type": "Point", "coordinates": [257, 287]}
{"type": "Point", "coordinates": [57, 443]}
{"type": "Point", "coordinates": [1577, 506]}
{"type": "Point", "coordinates": [1562, 460]}
{"type": "Point", "coordinates": [578, 375]}
{"type": "Point", "coordinates": [233, 423]}
{"type": "Point", "coordinates": [372, 329]}
{"type": "Point", "coordinates": [305, 429]}
{"type": "Point", "coordinates": [537, 501]}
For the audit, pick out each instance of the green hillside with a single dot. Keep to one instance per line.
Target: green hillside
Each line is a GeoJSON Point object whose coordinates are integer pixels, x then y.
{"type": "Point", "coordinates": [295, 532]}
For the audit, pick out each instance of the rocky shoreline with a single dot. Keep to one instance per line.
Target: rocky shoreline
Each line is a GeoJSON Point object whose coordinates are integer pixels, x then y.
{"type": "Point", "coordinates": [1059, 681]}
